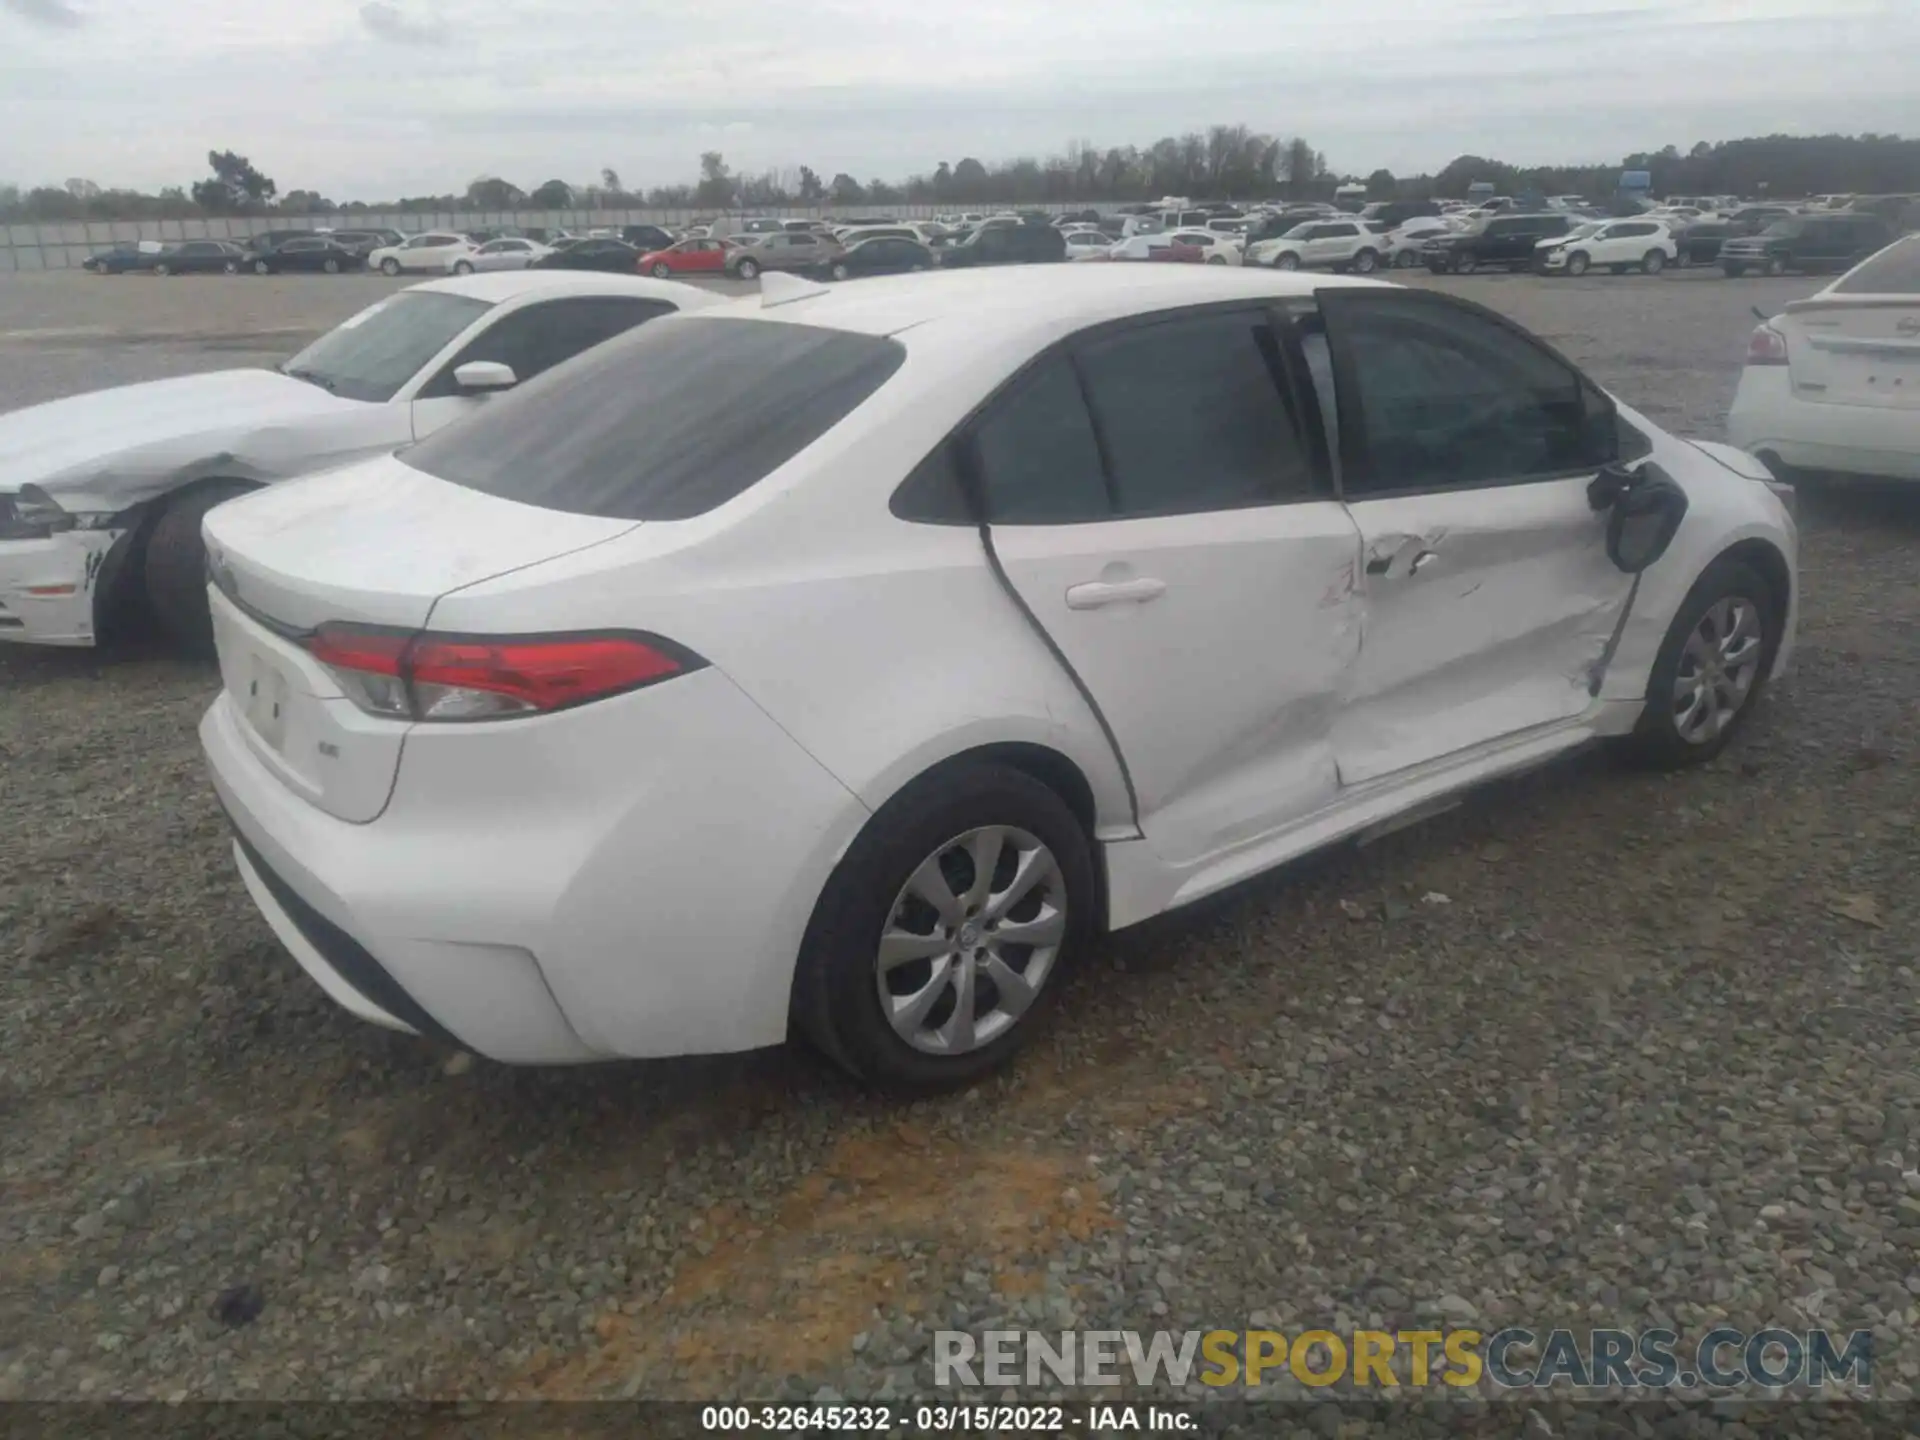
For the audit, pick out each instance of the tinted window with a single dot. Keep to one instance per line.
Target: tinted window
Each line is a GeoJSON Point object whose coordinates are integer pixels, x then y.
{"type": "Point", "coordinates": [666, 422]}
{"type": "Point", "coordinates": [1450, 398]}
{"type": "Point", "coordinates": [1502, 227]}
{"type": "Point", "coordinates": [1894, 271]}
{"type": "Point", "coordinates": [1192, 417]}
{"type": "Point", "coordinates": [1333, 232]}
{"type": "Point", "coordinates": [535, 338]}
{"type": "Point", "coordinates": [372, 355]}
{"type": "Point", "coordinates": [1627, 232]}
{"type": "Point", "coordinates": [1039, 462]}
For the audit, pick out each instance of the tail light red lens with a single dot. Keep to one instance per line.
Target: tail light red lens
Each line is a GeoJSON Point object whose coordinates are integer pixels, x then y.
{"type": "Point", "coordinates": [423, 676]}
{"type": "Point", "coordinates": [1766, 346]}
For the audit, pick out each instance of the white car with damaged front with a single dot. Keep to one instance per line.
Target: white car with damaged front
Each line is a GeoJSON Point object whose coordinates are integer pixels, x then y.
{"type": "Point", "coordinates": [102, 494]}
{"type": "Point", "coordinates": [846, 658]}
{"type": "Point", "coordinates": [1643, 244]}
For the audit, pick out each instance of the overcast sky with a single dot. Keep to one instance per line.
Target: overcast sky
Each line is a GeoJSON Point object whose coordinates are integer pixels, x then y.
{"type": "Point", "coordinates": [391, 97]}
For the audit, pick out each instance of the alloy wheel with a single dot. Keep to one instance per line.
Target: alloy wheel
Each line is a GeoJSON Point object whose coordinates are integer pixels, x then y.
{"type": "Point", "coordinates": [971, 940]}
{"type": "Point", "coordinates": [1718, 667]}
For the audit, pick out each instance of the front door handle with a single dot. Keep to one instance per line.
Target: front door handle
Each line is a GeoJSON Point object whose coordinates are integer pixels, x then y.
{"type": "Point", "coordinates": [1095, 593]}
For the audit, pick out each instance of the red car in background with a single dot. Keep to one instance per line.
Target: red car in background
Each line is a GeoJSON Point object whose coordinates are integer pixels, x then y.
{"type": "Point", "coordinates": [689, 257]}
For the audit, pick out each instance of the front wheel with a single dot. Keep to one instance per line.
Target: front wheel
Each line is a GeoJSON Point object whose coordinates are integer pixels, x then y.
{"type": "Point", "coordinates": [748, 269]}
{"type": "Point", "coordinates": [176, 567]}
{"type": "Point", "coordinates": [1777, 265]}
{"type": "Point", "coordinates": [332, 267]}
{"type": "Point", "coordinates": [1711, 666]}
{"type": "Point", "coordinates": [460, 267]}
{"type": "Point", "coordinates": [938, 946]}
{"type": "Point", "coordinates": [1577, 263]}
{"type": "Point", "coordinates": [163, 268]}
{"type": "Point", "coordinates": [1216, 259]}
{"type": "Point", "coordinates": [1365, 262]}
{"type": "Point", "coordinates": [260, 267]}
{"type": "Point", "coordinates": [1286, 260]}
{"type": "Point", "coordinates": [1653, 262]}
{"type": "Point", "coordinates": [662, 270]}
{"type": "Point", "coordinates": [839, 271]}
{"type": "Point", "coordinates": [232, 267]}
{"type": "Point", "coordinates": [389, 268]}
{"type": "Point", "coordinates": [1405, 260]}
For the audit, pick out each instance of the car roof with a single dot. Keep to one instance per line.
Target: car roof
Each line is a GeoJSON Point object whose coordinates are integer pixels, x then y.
{"type": "Point", "coordinates": [498, 286]}
{"type": "Point", "coordinates": [966, 307]}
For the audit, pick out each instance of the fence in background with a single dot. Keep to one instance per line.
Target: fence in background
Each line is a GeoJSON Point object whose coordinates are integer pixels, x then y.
{"type": "Point", "coordinates": [64, 246]}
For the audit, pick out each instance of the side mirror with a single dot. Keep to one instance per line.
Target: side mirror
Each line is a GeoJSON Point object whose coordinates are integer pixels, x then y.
{"type": "Point", "coordinates": [480, 376]}
{"type": "Point", "coordinates": [1646, 509]}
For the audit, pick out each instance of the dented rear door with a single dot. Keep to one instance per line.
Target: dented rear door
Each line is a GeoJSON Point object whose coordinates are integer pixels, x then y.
{"type": "Point", "coordinates": [1487, 596]}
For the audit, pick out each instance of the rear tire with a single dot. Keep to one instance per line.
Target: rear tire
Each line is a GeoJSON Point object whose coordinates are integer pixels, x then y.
{"type": "Point", "coordinates": [389, 267]}
{"type": "Point", "coordinates": [232, 267]}
{"type": "Point", "coordinates": [176, 567]}
{"type": "Point", "coordinates": [748, 269]}
{"type": "Point", "coordinates": [1366, 262]}
{"type": "Point", "coordinates": [163, 268]}
{"type": "Point", "coordinates": [1662, 739]}
{"type": "Point", "coordinates": [460, 267]}
{"type": "Point", "coordinates": [839, 271]}
{"type": "Point", "coordinates": [260, 267]}
{"type": "Point", "coordinates": [837, 983]}
{"type": "Point", "coordinates": [1653, 262]}
{"type": "Point", "coordinates": [1777, 265]}
{"type": "Point", "coordinates": [662, 270]}
{"type": "Point", "coordinates": [332, 267]}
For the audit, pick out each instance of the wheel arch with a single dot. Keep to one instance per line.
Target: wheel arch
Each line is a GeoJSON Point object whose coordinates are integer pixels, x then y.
{"type": "Point", "coordinates": [119, 593]}
{"type": "Point", "coordinates": [1766, 560]}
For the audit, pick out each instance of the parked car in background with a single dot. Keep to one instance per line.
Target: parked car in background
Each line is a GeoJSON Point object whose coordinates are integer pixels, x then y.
{"type": "Point", "coordinates": [1752, 219]}
{"type": "Point", "coordinates": [793, 250]}
{"type": "Point", "coordinates": [1163, 689]}
{"type": "Point", "coordinates": [1214, 248]}
{"type": "Point", "coordinates": [1086, 241]}
{"type": "Point", "coordinates": [434, 252]}
{"type": "Point", "coordinates": [687, 257]}
{"type": "Point", "coordinates": [367, 241]}
{"type": "Point", "coordinates": [124, 259]}
{"type": "Point", "coordinates": [102, 495]}
{"type": "Point", "coordinates": [883, 255]}
{"type": "Point", "coordinates": [1014, 244]}
{"type": "Point", "coordinates": [759, 225]}
{"type": "Point", "coordinates": [1502, 241]}
{"type": "Point", "coordinates": [512, 253]}
{"type": "Point", "coordinates": [313, 254]}
{"type": "Point", "coordinates": [1699, 242]}
{"type": "Point", "coordinates": [267, 239]}
{"type": "Point", "coordinates": [199, 257]}
{"type": "Point", "coordinates": [1614, 245]}
{"type": "Point", "coordinates": [645, 238]}
{"type": "Point", "coordinates": [1812, 244]}
{"type": "Point", "coordinates": [1832, 383]}
{"type": "Point", "coordinates": [1396, 213]}
{"type": "Point", "coordinates": [1156, 246]}
{"type": "Point", "coordinates": [1344, 244]}
{"type": "Point", "coordinates": [1401, 249]}
{"type": "Point", "coordinates": [613, 257]}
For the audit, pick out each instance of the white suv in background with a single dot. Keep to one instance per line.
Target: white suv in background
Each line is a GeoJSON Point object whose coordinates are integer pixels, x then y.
{"type": "Point", "coordinates": [1322, 245]}
{"type": "Point", "coordinates": [439, 252]}
{"type": "Point", "coordinates": [1620, 245]}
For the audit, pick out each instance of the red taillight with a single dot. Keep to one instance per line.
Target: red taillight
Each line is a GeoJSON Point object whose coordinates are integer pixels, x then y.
{"type": "Point", "coordinates": [1766, 346]}
{"type": "Point", "coordinates": [489, 677]}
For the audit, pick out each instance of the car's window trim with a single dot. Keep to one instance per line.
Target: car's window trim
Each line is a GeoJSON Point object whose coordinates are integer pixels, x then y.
{"type": "Point", "coordinates": [1351, 407]}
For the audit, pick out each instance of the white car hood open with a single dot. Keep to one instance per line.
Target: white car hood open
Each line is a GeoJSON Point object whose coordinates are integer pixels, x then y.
{"type": "Point", "coordinates": [113, 448]}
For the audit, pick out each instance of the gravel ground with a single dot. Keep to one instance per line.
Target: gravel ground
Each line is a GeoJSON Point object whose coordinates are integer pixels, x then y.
{"type": "Point", "coordinates": [1651, 1061]}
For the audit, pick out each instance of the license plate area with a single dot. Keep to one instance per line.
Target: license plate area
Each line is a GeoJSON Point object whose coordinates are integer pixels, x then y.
{"type": "Point", "coordinates": [261, 691]}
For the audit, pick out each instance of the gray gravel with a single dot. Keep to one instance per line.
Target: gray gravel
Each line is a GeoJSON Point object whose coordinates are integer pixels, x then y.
{"type": "Point", "coordinates": [1651, 1061]}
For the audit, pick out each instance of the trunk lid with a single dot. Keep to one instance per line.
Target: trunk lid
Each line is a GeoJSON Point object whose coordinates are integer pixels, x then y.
{"type": "Point", "coordinates": [378, 543]}
{"type": "Point", "coordinates": [1861, 351]}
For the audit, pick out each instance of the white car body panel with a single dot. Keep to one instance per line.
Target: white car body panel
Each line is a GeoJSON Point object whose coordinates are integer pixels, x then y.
{"type": "Point", "coordinates": [1607, 246]}
{"type": "Point", "coordinates": [103, 453]}
{"type": "Point", "coordinates": [415, 259]}
{"type": "Point", "coordinates": [1848, 398]}
{"type": "Point", "coordinates": [660, 898]}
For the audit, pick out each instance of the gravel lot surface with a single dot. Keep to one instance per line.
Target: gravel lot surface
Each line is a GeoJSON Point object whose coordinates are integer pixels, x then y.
{"type": "Point", "coordinates": [1649, 1061]}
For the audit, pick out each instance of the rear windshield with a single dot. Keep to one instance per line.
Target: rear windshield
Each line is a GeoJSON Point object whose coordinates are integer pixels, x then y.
{"type": "Point", "coordinates": [671, 420]}
{"type": "Point", "coordinates": [1894, 271]}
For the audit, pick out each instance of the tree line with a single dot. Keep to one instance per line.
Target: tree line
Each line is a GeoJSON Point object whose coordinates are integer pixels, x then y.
{"type": "Point", "coordinates": [1222, 162]}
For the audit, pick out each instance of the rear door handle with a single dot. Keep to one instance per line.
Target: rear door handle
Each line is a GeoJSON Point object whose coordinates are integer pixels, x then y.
{"type": "Point", "coordinates": [1095, 593]}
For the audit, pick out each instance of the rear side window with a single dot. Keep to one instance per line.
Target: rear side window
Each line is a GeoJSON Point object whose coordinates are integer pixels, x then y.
{"type": "Point", "coordinates": [1192, 415]}
{"type": "Point", "coordinates": [1038, 458]}
{"type": "Point", "coordinates": [666, 422]}
{"type": "Point", "coordinates": [1894, 271]}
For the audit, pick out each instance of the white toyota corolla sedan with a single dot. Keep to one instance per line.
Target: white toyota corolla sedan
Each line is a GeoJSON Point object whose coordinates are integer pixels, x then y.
{"type": "Point", "coordinates": [844, 658]}
{"type": "Point", "coordinates": [1832, 383]}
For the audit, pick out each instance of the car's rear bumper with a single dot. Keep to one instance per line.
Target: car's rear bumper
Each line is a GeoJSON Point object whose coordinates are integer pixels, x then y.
{"type": "Point", "coordinates": [631, 878]}
{"type": "Point", "coordinates": [1768, 418]}
{"type": "Point", "coordinates": [46, 587]}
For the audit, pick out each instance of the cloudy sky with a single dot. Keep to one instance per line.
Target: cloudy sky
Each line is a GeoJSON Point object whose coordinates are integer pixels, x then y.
{"type": "Point", "coordinates": [377, 98]}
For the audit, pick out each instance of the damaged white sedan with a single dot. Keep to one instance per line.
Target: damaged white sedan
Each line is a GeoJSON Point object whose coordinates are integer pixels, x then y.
{"type": "Point", "coordinates": [102, 495]}
{"type": "Point", "coordinates": [845, 658]}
